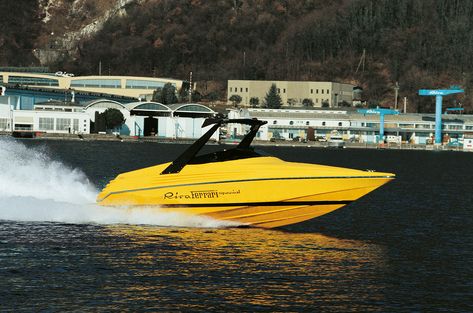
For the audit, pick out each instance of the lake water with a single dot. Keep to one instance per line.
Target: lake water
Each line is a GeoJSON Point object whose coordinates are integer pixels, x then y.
{"type": "Point", "coordinates": [407, 247]}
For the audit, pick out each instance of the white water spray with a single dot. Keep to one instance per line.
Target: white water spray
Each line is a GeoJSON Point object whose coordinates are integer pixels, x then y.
{"type": "Point", "coordinates": [36, 188]}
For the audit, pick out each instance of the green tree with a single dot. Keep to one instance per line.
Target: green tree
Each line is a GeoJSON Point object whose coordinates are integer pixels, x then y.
{"type": "Point", "coordinates": [235, 99]}
{"type": "Point", "coordinates": [272, 99]}
{"type": "Point", "coordinates": [196, 96]}
{"type": "Point", "coordinates": [166, 95]}
{"type": "Point", "coordinates": [212, 96]}
{"type": "Point", "coordinates": [291, 102]}
{"type": "Point", "coordinates": [372, 104]}
{"type": "Point", "coordinates": [254, 102]}
{"type": "Point", "coordinates": [112, 118]}
{"type": "Point", "coordinates": [157, 94]}
{"type": "Point", "coordinates": [184, 93]}
{"type": "Point", "coordinates": [307, 102]}
{"type": "Point", "coordinates": [325, 104]}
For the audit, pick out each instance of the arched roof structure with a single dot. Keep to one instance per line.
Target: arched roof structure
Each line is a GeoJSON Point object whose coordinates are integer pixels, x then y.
{"type": "Point", "coordinates": [105, 104]}
{"type": "Point", "coordinates": [147, 106]}
{"type": "Point", "coordinates": [150, 108]}
{"type": "Point", "coordinates": [191, 108]}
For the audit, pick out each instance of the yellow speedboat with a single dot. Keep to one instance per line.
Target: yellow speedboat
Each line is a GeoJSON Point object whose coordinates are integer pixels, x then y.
{"type": "Point", "coordinates": [241, 185]}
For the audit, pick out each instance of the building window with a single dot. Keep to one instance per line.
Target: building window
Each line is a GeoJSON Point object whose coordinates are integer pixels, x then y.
{"type": "Point", "coordinates": [230, 89]}
{"type": "Point", "coordinates": [246, 89]}
{"type": "Point", "coordinates": [322, 91]}
{"type": "Point", "coordinates": [312, 91]}
{"type": "Point", "coordinates": [275, 122]}
{"type": "Point", "coordinates": [279, 90]}
{"type": "Point", "coordinates": [284, 90]}
{"type": "Point", "coordinates": [75, 126]}
{"type": "Point", "coordinates": [105, 83]}
{"type": "Point", "coordinates": [291, 123]}
{"type": "Point", "coordinates": [307, 123]}
{"type": "Point", "coordinates": [46, 123]}
{"type": "Point", "coordinates": [316, 91]}
{"type": "Point", "coordinates": [328, 91]}
{"type": "Point", "coordinates": [4, 124]}
{"type": "Point", "coordinates": [63, 123]}
{"type": "Point", "coordinates": [323, 123]}
{"type": "Point", "coordinates": [35, 81]}
{"type": "Point", "coordinates": [139, 84]}
{"type": "Point", "coordinates": [23, 126]}
{"type": "Point", "coordinates": [339, 123]}
{"type": "Point", "coordinates": [241, 89]}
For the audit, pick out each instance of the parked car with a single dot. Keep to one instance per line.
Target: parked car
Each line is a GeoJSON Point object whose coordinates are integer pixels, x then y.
{"type": "Point", "coordinates": [336, 141]}
{"type": "Point", "coordinates": [299, 138]}
{"type": "Point", "coordinates": [276, 138]}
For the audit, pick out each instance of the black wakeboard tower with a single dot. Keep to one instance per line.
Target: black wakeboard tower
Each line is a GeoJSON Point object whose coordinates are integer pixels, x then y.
{"type": "Point", "coordinates": [242, 151]}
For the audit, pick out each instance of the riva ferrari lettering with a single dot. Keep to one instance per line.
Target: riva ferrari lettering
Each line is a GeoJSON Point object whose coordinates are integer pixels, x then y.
{"type": "Point", "coordinates": [201, 194]}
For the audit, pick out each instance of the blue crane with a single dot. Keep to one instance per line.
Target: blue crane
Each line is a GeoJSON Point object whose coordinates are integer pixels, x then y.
{"type": "Point", "coordinates": [382, 112]}
{"type": "Point", "coordinates": [439, 93]}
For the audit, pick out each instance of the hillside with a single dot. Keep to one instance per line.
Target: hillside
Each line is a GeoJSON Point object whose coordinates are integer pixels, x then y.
{"type": "Point", "coordinates": [418, 43]}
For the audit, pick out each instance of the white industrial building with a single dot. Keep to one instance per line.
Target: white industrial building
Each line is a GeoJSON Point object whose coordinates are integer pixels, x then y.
{"type": "Point", "coordinates": [48, 117]}
{"type": "Point", "coordinates": [147, 118]}
{"type": "Point", "coordinates": [141, 118]}
{"type": "Point", "coordinates": [353, 126]}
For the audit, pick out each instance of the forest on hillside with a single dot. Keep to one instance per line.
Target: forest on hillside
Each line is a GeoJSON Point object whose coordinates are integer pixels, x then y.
{"type": "Point", "coordinates": [20, 26]}
{"type": "Point", "coordinates": [370, 43]}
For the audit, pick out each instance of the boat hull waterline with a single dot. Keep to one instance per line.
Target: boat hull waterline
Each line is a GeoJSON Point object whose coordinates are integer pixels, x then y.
{"type": "Point", "coordinates": [263, 192]}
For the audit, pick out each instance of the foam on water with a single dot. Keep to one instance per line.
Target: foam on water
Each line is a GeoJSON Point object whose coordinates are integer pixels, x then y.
{"type": "Point", "coordinates": [36, 188]}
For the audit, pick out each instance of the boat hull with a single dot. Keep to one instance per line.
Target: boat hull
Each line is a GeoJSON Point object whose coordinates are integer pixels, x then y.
{"type": "Point", "coordinates": [268, 202]}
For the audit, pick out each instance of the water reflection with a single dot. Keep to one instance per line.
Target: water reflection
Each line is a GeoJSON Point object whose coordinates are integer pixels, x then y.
{"type": "Point", "coordinates": [248, 269]}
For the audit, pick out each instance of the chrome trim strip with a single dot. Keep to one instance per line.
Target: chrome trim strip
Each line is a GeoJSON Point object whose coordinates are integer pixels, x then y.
{"type": "Point", "coordinates": [238, 181]}
{"type": "Point", "coordinates": [246, 204]}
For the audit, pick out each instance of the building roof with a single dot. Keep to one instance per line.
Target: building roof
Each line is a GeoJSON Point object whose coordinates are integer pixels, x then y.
{"type": "Point", "coordinates": [353, 115]}
{"type": "Point", "coordinates": [59, 103]}
{"type": "Point", "coordinates": [191, 108]}
{"type": "Point", "coordinates": [147, 106]}
{"type": "Point", "coordinates": [104, 103]}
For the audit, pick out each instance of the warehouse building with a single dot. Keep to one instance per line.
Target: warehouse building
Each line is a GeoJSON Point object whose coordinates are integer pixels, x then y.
{"type": "Point", "coordinates": [414, 128]}
{"type": "Point", "coordinates": [292, 93]}
{"type": "Point", "coordinates": [142, 118]}
{"type": "Point", "coordinates": [126, 86]}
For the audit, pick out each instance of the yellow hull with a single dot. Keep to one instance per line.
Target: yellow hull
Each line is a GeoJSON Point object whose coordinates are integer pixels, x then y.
{"type": "Point", "coordinates": [263, 192]}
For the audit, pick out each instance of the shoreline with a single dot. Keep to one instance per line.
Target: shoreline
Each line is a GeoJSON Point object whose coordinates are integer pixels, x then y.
{"type": "Point", "coordinates": [311, 144]}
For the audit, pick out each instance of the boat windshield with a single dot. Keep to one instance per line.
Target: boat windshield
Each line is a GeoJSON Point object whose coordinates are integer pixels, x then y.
{"type": "Point", "coordinates": [242, 151]}
{"type": "Point", "coordinates": [225, 155]}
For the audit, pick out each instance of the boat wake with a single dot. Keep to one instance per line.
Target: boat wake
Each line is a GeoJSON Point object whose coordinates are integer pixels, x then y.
{"type": "Point", "coordinates": [36, 188]}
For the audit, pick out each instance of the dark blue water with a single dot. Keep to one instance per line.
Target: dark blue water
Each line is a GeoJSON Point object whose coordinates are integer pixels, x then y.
{"type": "Point", "coordinates": [407, 247]}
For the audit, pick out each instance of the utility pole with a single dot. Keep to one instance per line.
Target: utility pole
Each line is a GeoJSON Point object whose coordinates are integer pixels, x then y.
{"type": "Point", "coordinates": [100, 68]}
{"type": "Point", "coordinates": [244, 64]}
{"type": "Point", "coordinates": [396, 90]}
{"type": "Point", "coordinates": [362, 62]}
{"type": "Point", "coordinates": [190, 87]}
